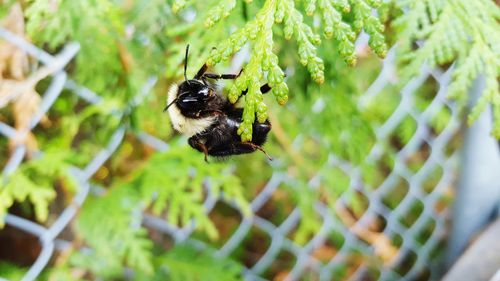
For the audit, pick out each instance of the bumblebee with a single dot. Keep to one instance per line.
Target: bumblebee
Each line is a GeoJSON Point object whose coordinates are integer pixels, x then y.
{"type": "Point", "coordinates": [211, 122]}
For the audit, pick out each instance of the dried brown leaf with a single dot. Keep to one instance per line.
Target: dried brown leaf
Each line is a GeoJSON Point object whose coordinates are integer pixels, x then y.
{"type": "Point", "coordinates": [13, 61]}
{"type": "Point", "coordinates": [15, 87]}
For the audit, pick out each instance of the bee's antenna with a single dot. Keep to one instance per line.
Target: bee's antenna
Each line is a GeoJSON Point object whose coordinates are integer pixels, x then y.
{"type": "Point", "coordinates": [186, 63]}
{"type": "Point", "coordinates": [168, 105]}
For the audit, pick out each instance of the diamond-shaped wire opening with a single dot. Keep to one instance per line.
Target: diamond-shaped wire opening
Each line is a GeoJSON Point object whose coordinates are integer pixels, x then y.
{"type": "Point", "coordinates": [443, 202]}
{"type": "Point", "coordinates": [347, 265]}
{"type": "Point", "coordinates": [280, 268]}
{"type": "Point", "coordinates": [226, 219]}
{"type": "Point", "coordinates": [416, 160]}
{"type": "Point", "coordinates": [412, 214]}
{"type": "Point", "coordinates": [329, 249]}
{"type": "Point", "coordinates": [426, 231]}
{"type": "Point", "coordinates": [376, 222]}
{"type": "Point", "coordinates": [292, 223]}
{"type": "Point", "coordinates": [383, 166]}
{"type": "Point", "coordinates": [406, 263]}
{"type": "Point", "coordinates": [440, 120]}
{"type": "Point", "coordinates": [307, 273]}
{"type": "Point", "coordinates": [278, 208]}
{"type": "Point", "coordinates": [432, 180]}
{"type": "Point", "coordinates": [341, 271]}
{"type": "Point", "coordinates": [403, 132]}
{"type": "Point", "coordinates": [425, 94]}
{"type": "Point", "coordinates": [18, 247]}
{"type": "Point", "coordinates": [424, 274]}
{"type": "Point", "coordinates": [356, 203]}
{"type": "Point", "coordinates": [397, 240]}
{"type": "Point", "coordinates": [368, 273]}
{"type": "Point", "coordinates": [390, 274]}
{"type": "Point", "coordinates": [388, 99]}
{"type": "Point", "coordinates": [438, 251]}
{"type": "Point", "coordinates": [334, 183]}
{"type": "Point", "coordinates": [252, 247]}
{"type": "Point", "coordinates": [396, 194]}
{"type": "Point", "coordinates": [352, 261]}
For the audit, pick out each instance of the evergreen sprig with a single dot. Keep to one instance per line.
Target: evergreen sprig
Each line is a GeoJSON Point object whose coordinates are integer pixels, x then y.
{"type": "Point", "coordinates": [181, 194]}
{"type": "Point", "coordinates": [184, 262]}
{"type": "Point", "coordinates": [34, 182]}
{"type": "Point", "coordinates": [110, 226]}
{"type": "Point", "coordinates": [264, 64]}
{"type": "Point", "coordinates": [466, 33]}
{"type": "Point", "coordinates": [171, 184]}
{"type": "Point", "coordinates": [113, 47]}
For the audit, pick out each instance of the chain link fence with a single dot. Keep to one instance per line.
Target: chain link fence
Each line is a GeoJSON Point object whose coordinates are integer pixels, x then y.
{"type": "Point", "coordinates": [413, 254]}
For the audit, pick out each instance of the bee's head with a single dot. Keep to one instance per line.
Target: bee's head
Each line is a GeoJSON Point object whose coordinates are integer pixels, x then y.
{"type": "Point", "coordinates": [191, 95]}
{"type": "Point", "coordinates": [194, 94]}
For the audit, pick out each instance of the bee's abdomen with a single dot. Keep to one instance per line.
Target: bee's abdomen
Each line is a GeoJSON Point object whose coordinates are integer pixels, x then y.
{"type": "Point", "coordinates": [260, 131]}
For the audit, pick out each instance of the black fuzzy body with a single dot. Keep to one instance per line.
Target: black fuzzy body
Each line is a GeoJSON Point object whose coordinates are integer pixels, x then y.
{"type": "Point", "coordinates": [222, 139]}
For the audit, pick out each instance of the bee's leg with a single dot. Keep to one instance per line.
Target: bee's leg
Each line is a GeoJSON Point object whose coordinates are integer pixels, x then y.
{"type": "Point", "coordinates": [257, 147]}
{"type": "Point", "coordinates": [201, 72]}
{"type": "Point", "coordinates": [264, 89]}
{"type": "Point", "coordinates": [222, 76]}
{"type": "Point", "coordinates": [195, 143]}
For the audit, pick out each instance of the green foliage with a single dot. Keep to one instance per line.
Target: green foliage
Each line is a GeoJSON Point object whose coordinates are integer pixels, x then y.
{"type": "Point", "coordinates": [11, 272]}
{"type": "Point", "coordinates": [464, 32]}
{"type": "Point", "coordinates": [61, 273]}
{"type": "Point", "coordinates": [100, 28]}
{"type": "Point", "coordinates": [174, 182]}
{"type": "Point", "coordinates": [170, 183]}
{"type": "Point", "coordinates": [5, 6]}
{"type": "Point", "coordinates": [96, 121]}
{"type": "Point", "coordinates": [34, 181]}
{"type": "Point", "coordinates": [95, 29]}
{"type": "Point", "coordinates": [328, 119]}
{"type": "Point", "coordinates": [264, 62]}
{"type": "Point", "coordinates": [183, 262]}
{"type": "Point", "coordinates": [111, 227]}
{"type": "Point", "coordinates": [350, 126]}
{"type": "Point", "coordinates": [311, 221]}
{"type": "Point", "coordinates": [114, 60]}
{"type": "Point", "coordinates": [106, 64]}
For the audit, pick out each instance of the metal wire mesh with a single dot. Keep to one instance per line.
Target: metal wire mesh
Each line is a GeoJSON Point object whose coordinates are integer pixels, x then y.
{"type": "Point", "coordinates": [414, 254]}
